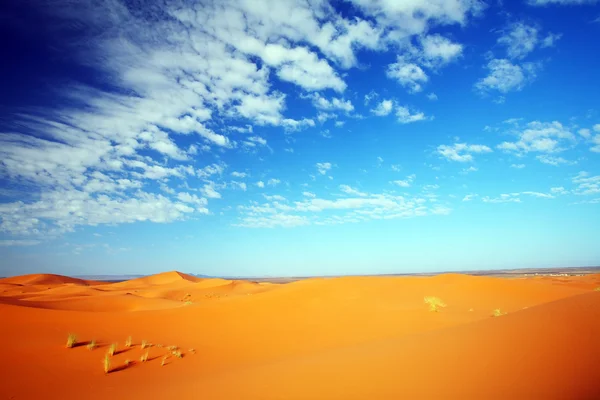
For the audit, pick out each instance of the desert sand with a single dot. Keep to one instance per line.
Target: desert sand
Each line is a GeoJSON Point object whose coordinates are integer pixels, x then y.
{"type": "Point", "coordinates": [321, 338]}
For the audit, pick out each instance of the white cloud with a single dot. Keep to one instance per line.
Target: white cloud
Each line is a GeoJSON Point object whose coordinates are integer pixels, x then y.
{"type": "Point", "coordinates": [309, 194]}
{"type": "Point", "coordinates": [505, 76]}
{"type": "Point", "coordinates": [273, 182]}
{"type": "Point", "coordinates": [352, 191]}
{"type": "Point", "coordinates": [370, 96]}
{"type": "Point", "coordinates": [558, 190]}
{"type": "Point", "coordinates": [62, 211]}
{"type": "Point", "coordinates": [253, 141]}
{"type": "Point", "coordinates": [552, 160]}
{"type": "Point", "coordinates": [462, 152]}
{"type": "Point", "coordinates": [209, 190]}
{"type": "Point", "coordinates": [540, 137]}
{"type": "Point", "coordinates": [585, 133]}
{"type": "Point", "coordinates": [551, 39]}
{"type": "Point", "coordinates": [405, 183]}
{"type": "Point", "coordinates": [237, 174]}
{"type": "Point", "coordinates": [238, 185]}
{"type": "Point", "coordinates": [210, 170]}
{"type": "Point", "coordinates": [517, 166]}
{"type": "Point", "coordinates": [191, 198]}
{"type": "Point", "coordinates": [409, 75]}
{"type": "Point", "coordinates": [469, 169]}
{"type": "Point", "coordinates": [438, 50]}
{"type": "Point", "coordinates": [318, 211]}
{"type": "Point", "coordinates": [260, 184]}
{"type": "Point", "coordinates": [323, 168]}
{"type": "Point", "coordinates": [432, 96]}
{"type": "Point", "coordinates": [586, 184]}
{"type": "Point", "coordinates": [504, 198]}
{"type": "Point", "coordinates": [520, 39]}
{"type": "Point", "coordinates": [406, 116]}
{"type": "Point", "coordinates": [334, 104]}
{"type": "Point", "coordinates": [383, 108]}
{"type": "Point", "coordinates": [275, 197]}
{"type": "Point", "coordinates": [469, 197]}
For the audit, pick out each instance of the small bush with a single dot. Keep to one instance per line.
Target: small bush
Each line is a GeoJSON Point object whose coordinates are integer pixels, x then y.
{"type": "Point", "coordinates": [71, 340]}
{"type": "Point", "coordinates": [497, 313]}
{"type": "Point", "coordinates": [144, 357]}
{"type": "Point", "coordinates": [145, 344]}
{"type": "Point", "coordinates": [91, 345]}
{"type": "Point", "coordinates": [164, 361]}
{"type": "Point", "coordinates": [106, 363]}
{"type": "Point", "coordinates": [112, 349]}
{"type": "Point", "coordinates": [127, 363]}
{"type": "Point", "coordinates": [128, 342]}
{"type": "Point", "coordinates": [434, 303]}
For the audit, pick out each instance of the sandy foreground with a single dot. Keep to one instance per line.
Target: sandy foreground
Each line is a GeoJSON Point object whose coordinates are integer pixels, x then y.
{"type": "Point", "coordinates": [323, 338]}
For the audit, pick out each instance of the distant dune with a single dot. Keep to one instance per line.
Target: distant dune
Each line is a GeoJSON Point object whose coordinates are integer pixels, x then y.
{"type": "Point", "coordinates": [335, 338]}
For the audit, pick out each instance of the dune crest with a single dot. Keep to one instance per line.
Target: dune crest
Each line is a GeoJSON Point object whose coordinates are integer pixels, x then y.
{"type": "Point", "coordinates": [45, 279]}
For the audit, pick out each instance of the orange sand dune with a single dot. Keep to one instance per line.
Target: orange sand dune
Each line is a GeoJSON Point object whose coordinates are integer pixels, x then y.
{"type": "Point", "coordinates": [165, 278]}
{"type": "Point", "coordinates": [334, 338]}
{"type": "Point", "coordinates": [45, 279]}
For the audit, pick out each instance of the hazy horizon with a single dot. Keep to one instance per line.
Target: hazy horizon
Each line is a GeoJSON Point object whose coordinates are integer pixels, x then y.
{"type": "Point", "coordinates": [299, 138]}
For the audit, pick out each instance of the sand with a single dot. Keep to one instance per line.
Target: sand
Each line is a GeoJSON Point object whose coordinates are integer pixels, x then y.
{"type": "Point", "coordinates": [322, 338]}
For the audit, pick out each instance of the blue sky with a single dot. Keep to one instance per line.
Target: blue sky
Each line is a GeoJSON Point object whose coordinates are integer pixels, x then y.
{"type": "Point", "coordinates": [298, 137]}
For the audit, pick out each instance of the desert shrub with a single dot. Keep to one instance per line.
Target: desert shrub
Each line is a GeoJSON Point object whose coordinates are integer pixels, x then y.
{"type": "Point", "coordinates": [434, 303]}
{"type": "Point", "coordinates": [144, 357]}
{"type": "Point", "coordinates": [164, 361]}
{"type": "Point", "coordinates": [128, 342]}
{"type": "Point", "coordinates": [497, 313]}
{"type": "Point", "coordinates": [127, 362]}
{"type": "Point", "coordinates": [71, 340]}
{"type": "Point", "coordinates": [91, 345]}
{"type": "Point", "coordinates": [112, 349]}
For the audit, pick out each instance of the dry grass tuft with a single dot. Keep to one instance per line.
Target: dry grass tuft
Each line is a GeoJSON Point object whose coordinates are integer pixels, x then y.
{"type": "Point", "coordinates": [497, 313]}
{"type": "Point", "coordinates": [144, 357]}
{"type": "Point", "coordinates": [177, 353]}
{"type": "Point", "coordinates": [106, 363]}
{"type": "Point", "coordinates": [164, 361]}
{"type": "Point", "coordinates": [145, 344]}
{"type": "Point", "coordinates": [71, 340]}
{"type": "Point", "coordinates": [92, 345]}
{"type": "Point", "coordinates": [112, 349]}
{"type": "Point", "coordinates": [128, 342]}
{"type": "Point", "coordinates": [127, 363]}
{"type": "Point", "coordinates": [434, 303]}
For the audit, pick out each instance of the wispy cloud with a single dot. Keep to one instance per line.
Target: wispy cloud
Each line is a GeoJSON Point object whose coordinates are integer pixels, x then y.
{"type": "Point", "coordinates": [461, 152]}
